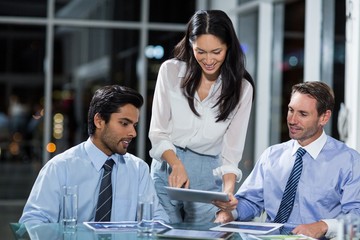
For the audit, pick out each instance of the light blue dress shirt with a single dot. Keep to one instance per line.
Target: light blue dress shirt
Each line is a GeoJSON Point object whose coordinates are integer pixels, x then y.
{"type": "Point", "coordinates": [329, 185]}
{"type": "Point", "coordinates": [82, 166]}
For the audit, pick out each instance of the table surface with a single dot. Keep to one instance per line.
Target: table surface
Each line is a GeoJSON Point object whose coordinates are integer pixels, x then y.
{"type": "Point", "coordinates": [55, 231]}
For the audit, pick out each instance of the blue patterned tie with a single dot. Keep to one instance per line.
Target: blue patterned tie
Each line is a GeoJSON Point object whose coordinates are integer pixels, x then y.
{"type": "Point", "coordinates": [103, 210]}
{"type": "Point", "coordinates": [288, 198]}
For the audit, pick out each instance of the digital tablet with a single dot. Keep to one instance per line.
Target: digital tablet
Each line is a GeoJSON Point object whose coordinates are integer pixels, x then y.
{"type": "Point", "coordinates": [193, 195]}
{"type": "Point", "coordinates": [194, 234]}
{"type": "Point", "coordinates": [248, 227]}
{"type": "Point", "coordinates": [124, 226]}
{"type": "Point", "coordinates": [281, 237]}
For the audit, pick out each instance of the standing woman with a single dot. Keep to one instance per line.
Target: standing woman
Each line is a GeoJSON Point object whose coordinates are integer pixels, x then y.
{"type": "Point", "coordinates": [200, 114]}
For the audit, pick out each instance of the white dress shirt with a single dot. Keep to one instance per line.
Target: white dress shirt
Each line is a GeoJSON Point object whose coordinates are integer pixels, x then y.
{"type": "Point", "coordinates": [174, 124]}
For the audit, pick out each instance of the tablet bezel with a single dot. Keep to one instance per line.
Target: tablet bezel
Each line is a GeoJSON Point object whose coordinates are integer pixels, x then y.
{"type": "Point", "coordinates": [248, 227]}
{"type": "Point", "coordinates": [175, 233]}
{"type": "Point", "coordinates": [193, 195]}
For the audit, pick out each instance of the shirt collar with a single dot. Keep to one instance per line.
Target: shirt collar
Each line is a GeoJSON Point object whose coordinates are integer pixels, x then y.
{"type": "Point", "coordinates": [98, 157]}
{"type": "Point", "coordinates": [313, 148]}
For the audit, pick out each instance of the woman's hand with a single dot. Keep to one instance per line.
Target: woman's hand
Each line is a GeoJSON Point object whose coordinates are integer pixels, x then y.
{"type": "Point", "coordinates": [178, 176]}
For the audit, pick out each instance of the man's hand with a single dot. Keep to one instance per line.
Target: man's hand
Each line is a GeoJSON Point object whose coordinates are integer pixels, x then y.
{"type": "Point", "coordinates": [227, 206]}
{"type": "Point", "coordinates": [223, 217]}
{"type": "Point", "coordinates": [315, 230]}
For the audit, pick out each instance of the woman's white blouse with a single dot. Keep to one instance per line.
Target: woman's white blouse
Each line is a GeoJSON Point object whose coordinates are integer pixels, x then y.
{"type": "Point", "coordinates": [174, 124]}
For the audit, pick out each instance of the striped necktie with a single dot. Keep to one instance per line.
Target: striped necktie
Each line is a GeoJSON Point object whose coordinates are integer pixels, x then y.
{"type": "Point", "coordinates": [288, 198]}
{"type": "Point", "coordinates": [103, 210]}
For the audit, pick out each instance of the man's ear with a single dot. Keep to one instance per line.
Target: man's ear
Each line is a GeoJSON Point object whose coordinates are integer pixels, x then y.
{"type": "Point", "coordinates": [98, 121]}
{"type": "Point", "coordinates": [325, 117]}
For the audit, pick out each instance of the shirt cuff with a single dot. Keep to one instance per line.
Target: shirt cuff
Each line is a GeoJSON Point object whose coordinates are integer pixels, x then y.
{"type": "Point", "coordinates": [157, 152]}
{"type": "Point", "coordinates": [332, 227]}
{"type": "Point", "coordinates": [222, 170]}
{"type": "Point", "coordinates": [235, 214]}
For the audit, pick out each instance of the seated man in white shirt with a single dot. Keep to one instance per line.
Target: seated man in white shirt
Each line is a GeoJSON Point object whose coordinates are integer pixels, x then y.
{"type": "Point", "coordinates": [329, 184]}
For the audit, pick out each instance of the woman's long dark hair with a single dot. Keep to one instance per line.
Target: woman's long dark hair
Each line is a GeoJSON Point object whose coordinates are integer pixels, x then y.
{"type": "Point", "coordinates": [217, 23]}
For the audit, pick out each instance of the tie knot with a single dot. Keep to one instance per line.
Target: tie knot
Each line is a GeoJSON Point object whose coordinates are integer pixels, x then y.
{"type": "Point", "coordinates": [300, 152]}
{"type": "Point", "coordinates": [108, 164]}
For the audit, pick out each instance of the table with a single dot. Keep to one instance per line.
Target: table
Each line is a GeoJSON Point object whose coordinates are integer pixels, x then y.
{"type": "Point", "coordinates": [54, 231]}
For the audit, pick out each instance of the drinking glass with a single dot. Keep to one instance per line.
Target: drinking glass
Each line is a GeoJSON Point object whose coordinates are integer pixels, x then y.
{"type": "Point", "coordinates": [145, 215]}
{"type": "Point", "coordinates": [70, 206]}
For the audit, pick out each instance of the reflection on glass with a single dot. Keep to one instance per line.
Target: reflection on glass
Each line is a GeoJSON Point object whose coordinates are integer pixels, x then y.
{"type": "Point", "coordinates": [90, 58]}
{"type": "Point", "coordinates": [28, 9]}
{"type": "Point", "coordinates": [21, 106]}
{"type": "Point", "coordinates": [171, 11]}
{"type": "Point", "coordinates": [292, 66]}
{"type": "Point", "coordinates": [122, 10]}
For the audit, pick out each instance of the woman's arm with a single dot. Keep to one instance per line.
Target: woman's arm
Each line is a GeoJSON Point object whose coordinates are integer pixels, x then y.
{"type": "Point", "coordinates": [234, 137]}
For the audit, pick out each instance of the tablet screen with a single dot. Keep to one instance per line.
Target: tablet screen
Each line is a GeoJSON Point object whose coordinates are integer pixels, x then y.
{"type": "Point", "coordinates": [194, 234]}
{"type": "Point", "coordinates": [248, 227]}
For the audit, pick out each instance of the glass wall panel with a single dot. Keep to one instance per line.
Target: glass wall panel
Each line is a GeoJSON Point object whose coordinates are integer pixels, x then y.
{"type": "Point", "coordinates": [85, 59]}
{"type": "Point", "coordinates": [248, 37]}
{"type": "Point", "coordinates": [293, 55]}
{"type": "Point", "coordinates": [122, 10]}
{"type": "Point", "coordinates": [243, 1]}
{"type": "Point", "coordinates": [171, 11]}
{"type": "Point", "coordinates": [22, 8]}
{"type": "Point", "coordinates": [159, 49]}
{"type": "Point", "coordinates": [22, 51]}
{"type": "Point", "coordinates": [338, 62]}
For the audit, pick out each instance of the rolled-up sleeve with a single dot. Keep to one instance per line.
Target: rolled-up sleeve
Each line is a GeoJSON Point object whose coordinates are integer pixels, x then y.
{"type": "Point", "coordinates": [234, 138]}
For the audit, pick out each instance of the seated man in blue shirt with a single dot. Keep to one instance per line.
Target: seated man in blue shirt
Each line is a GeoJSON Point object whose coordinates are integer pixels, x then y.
{"type": "Point", "coordinates": [112, 119]}
{"type": "Point", "coordinates": [329, 183]}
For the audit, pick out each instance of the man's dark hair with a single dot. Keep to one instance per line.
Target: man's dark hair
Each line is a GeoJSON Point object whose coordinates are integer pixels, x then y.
{"type": "Point", "coordinates": [108, 99]}
{"type": "Point", "coordinates": [320, 91]}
